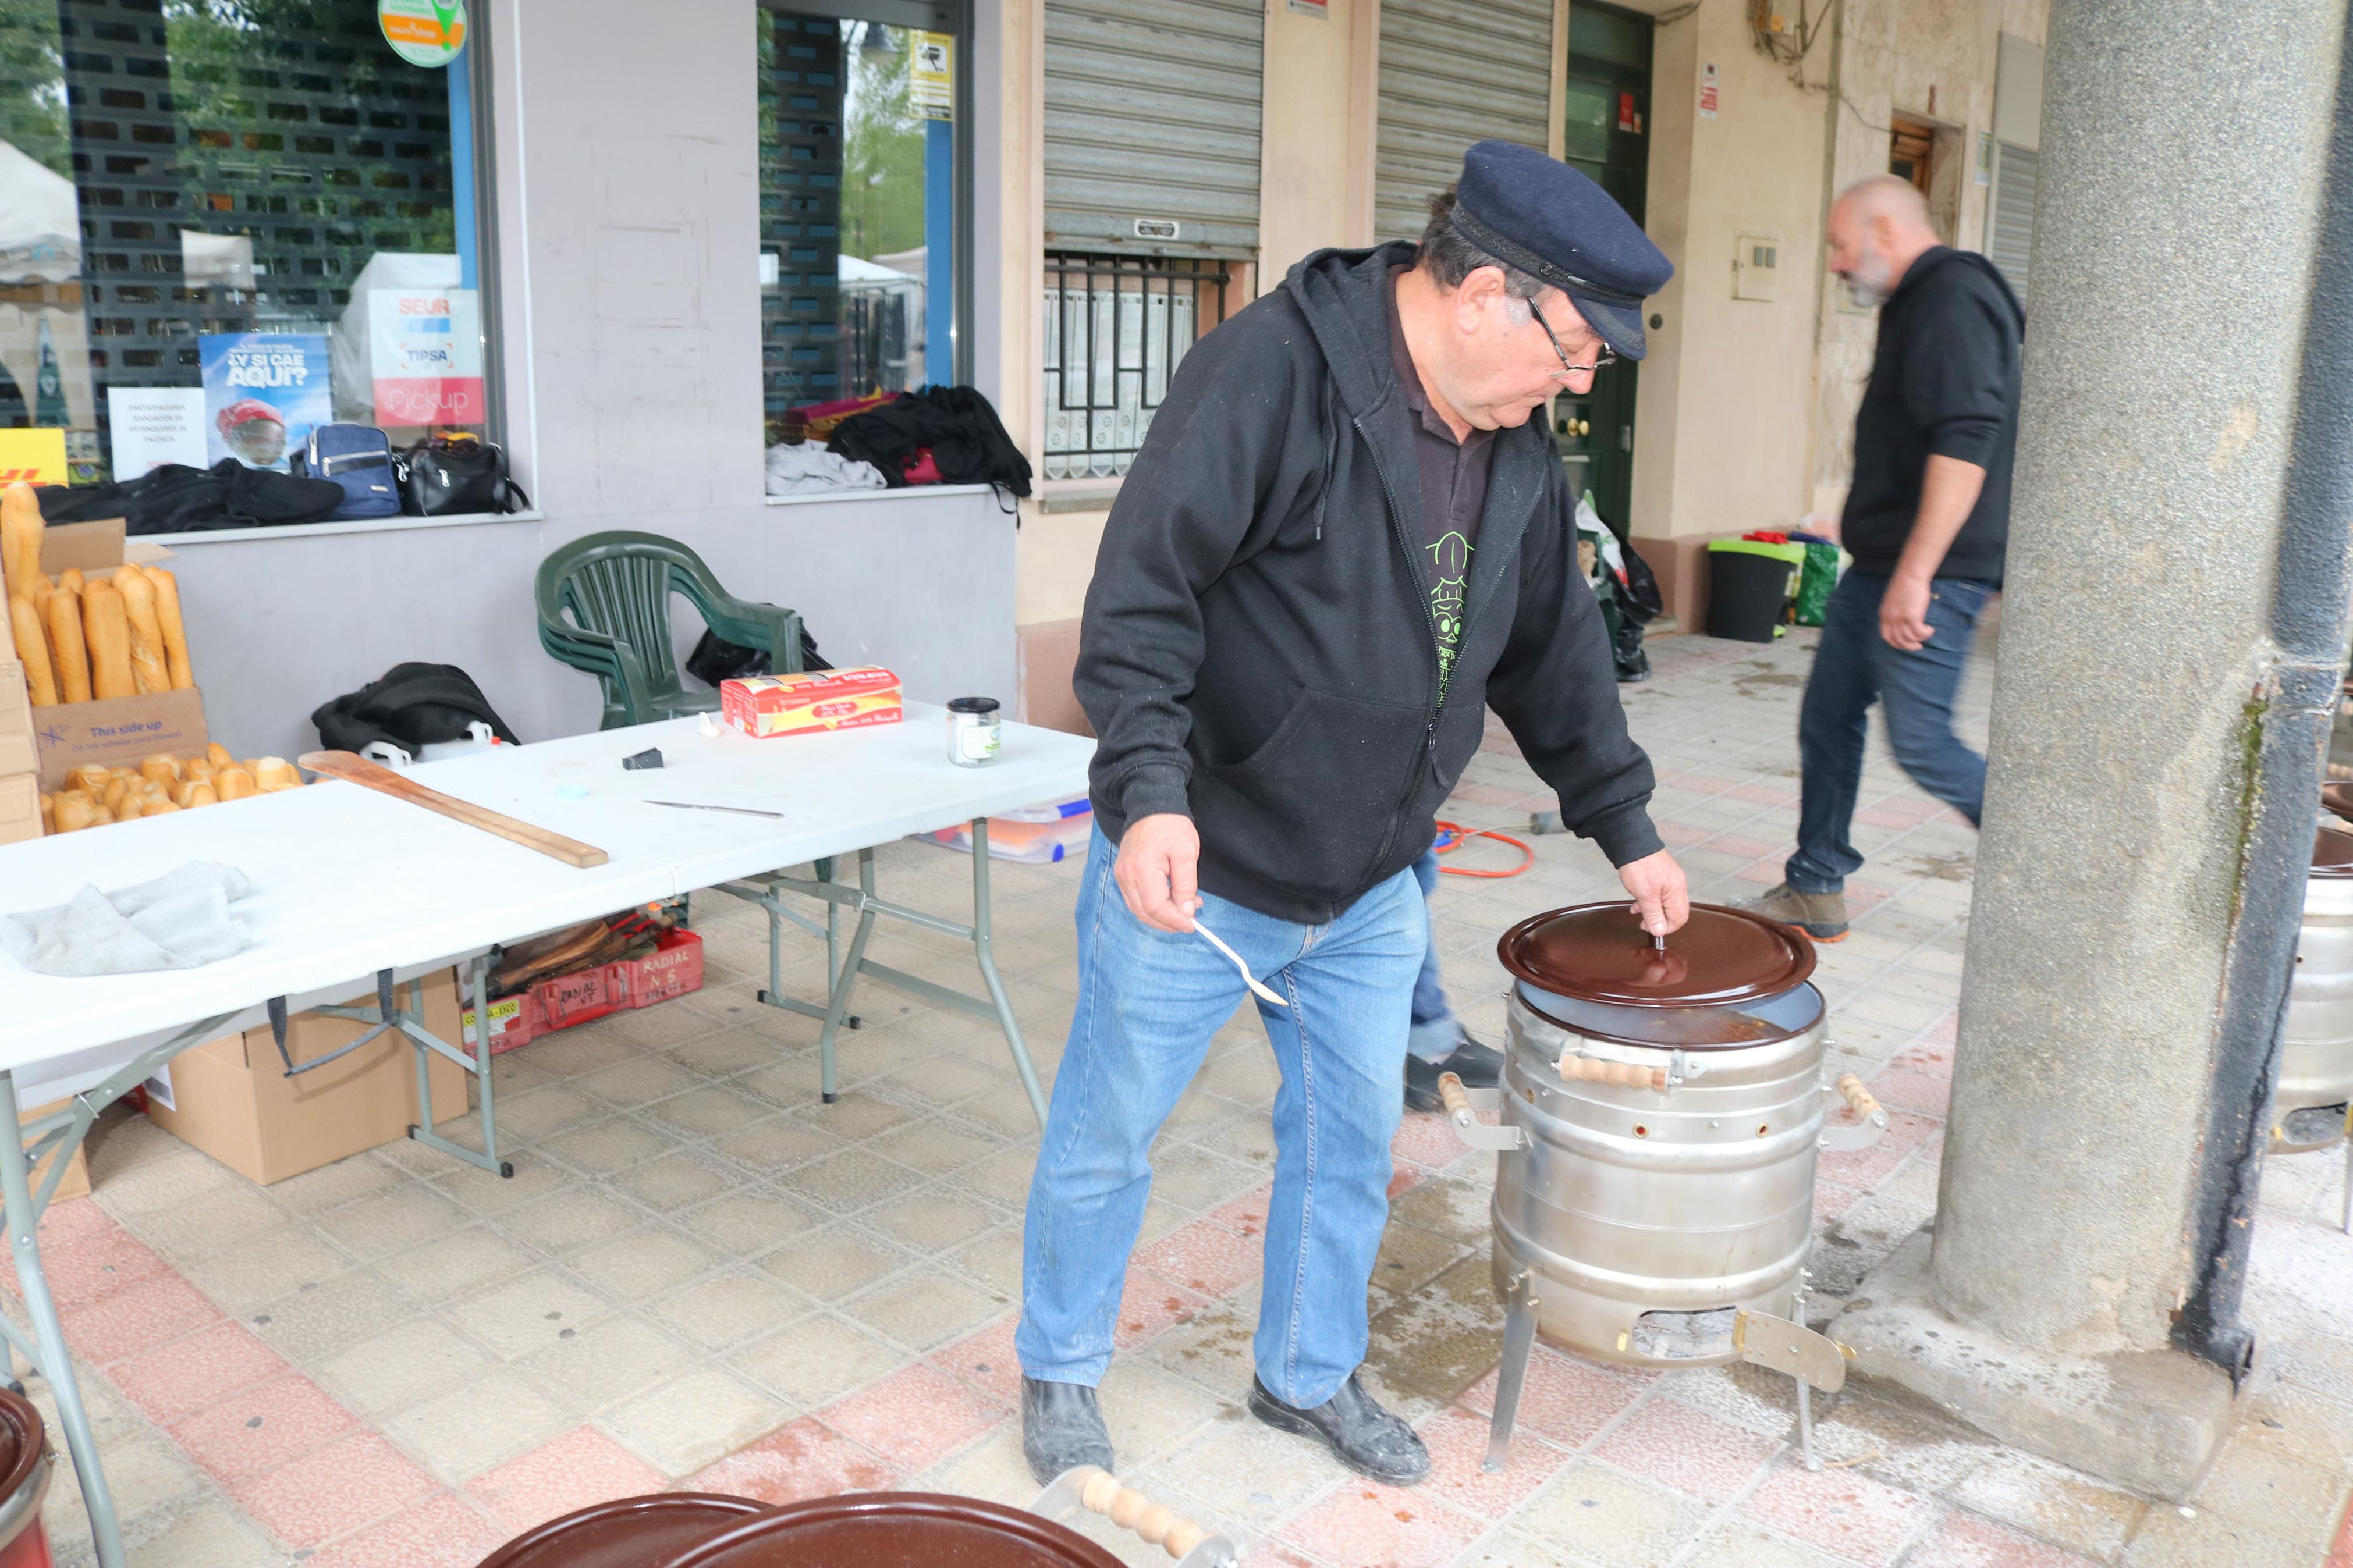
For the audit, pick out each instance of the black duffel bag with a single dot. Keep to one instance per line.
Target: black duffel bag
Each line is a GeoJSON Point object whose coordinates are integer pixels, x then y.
{"type": "Point", "coordinates": [412, 706]}
{"type": "Point", "coordinates": [445, 476]}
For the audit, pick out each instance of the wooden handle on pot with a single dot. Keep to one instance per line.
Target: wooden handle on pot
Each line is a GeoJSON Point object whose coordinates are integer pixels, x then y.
{"type": "Point", "coordinates": [1858, 1098]}
{"type": "Point", "coordinates": [1131, 1510]}
{"type": "Point", "coordinates": [1449, 1090]}
{"type": "Point", "coordinates": [1626, 1075]}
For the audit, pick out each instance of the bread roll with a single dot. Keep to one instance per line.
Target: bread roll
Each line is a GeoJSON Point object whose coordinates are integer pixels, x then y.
{"type": "Point", "coordinates": [162, 768]}
{"type": "Point", "coordinates": [133, 804]}
{"type": "Point", "coordinates": [91, 777]}
{"type": "Point", "coordinates": [114, 792]}
{"type": "Point", "coordinates": [49, 814]}
{"type": "Point", "coordinates": [20, 537]}
{"type": "Point", "coordinates": [198, 768]}
{"type": "Point", "coordinates": [100, 816]}
{"type": "Point", "coordinates": [158, 808]}
{"type": "Point", "coordinates": [217, 754]}
{"type": "Point", "coordinates": [175, 634]}
{"type": "Point", "coordinates": [275, 774]}
{"type": "Point", "coordinates": [67, 652]}
{"type": "Point", "coordinates": [72, 812]}
{"type": "Point", "coordinates": [194, 793]}
{"type": "Point", "coordinates": [33, 648]}
{"type": "Point", "coordinates": [148, 665]}
{"type": "Point", "coordinates": [106, 628]}
{"type": "Point", "coordinates": [234, 784]}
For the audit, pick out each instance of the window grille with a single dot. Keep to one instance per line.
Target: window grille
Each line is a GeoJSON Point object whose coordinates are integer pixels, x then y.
{"type": "Point", "coordinates": [1116, 327]}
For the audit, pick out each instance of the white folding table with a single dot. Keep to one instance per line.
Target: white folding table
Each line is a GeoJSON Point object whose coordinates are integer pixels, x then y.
{"type": "Point", "coordinates": [350, 884]}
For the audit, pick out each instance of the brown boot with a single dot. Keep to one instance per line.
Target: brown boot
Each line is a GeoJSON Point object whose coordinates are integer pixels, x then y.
{"type": "Point", "coordinates": [1821, 916]}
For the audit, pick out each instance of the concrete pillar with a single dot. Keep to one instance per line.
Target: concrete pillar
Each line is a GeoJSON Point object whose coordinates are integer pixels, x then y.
{"type": "Point", "coordinates": [2156, 724]}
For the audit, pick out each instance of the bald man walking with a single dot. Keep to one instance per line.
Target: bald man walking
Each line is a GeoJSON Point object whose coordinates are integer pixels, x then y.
{"type": "Point", "coordinates": [1927, 522]}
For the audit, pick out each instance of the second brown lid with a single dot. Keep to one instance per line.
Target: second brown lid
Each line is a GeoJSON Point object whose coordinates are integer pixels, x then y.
{"type": "Point", "coordinates": [1599, 952]}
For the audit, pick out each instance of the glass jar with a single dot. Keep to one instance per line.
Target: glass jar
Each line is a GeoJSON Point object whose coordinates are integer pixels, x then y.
{"type": "Point", "coordinates": [974, 729]}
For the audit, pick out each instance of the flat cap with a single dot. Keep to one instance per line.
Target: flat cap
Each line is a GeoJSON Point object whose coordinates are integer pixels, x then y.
{"type": "Point", "coordinates": [1552, 223]}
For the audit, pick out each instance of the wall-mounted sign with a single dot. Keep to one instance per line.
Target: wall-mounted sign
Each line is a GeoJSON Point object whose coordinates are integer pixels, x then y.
{"type": "Point", "coordinates": [931, 76]}
{"type": "Point", "coordinates": [1155, 228]}
{"type": "Point", "coordinates": [1985, 157]}
{"type": "Point", "coordinates": [1312, 8]}
{"type": "Point", "coordinates": [1709, 85]}
{"type": "Point", "coordinates": [151, 425]}
{"type": "Point", "coordinates": [424, 356]}
{"type": "Point", "coordinates": [426, 33]}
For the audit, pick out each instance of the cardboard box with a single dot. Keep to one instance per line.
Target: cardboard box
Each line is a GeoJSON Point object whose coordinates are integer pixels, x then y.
{"type": "Point", "coordinates": [119, 729]}
{"type": "Point", "coordinates": [766, 706]}
{"type": "Point", "coordinates": [18, 754]}
{"type": "Point", "coordinates": [20, 808]}
{"type": "Point", "coordinates": [74, 1183]}
{"type": "Point", "coordinates": [232, 1099]}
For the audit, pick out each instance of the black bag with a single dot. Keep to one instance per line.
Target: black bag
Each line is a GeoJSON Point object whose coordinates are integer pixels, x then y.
{"type": "Point", "coordinates": [412, 706]}
{"type": "Point", "coordinates": [1642, 599]}
{"type": "Point", "coordinates": [172, 498]}
{"type": "Point", "coordinates": [715, 659]}
{"type": "Point", "coordinates": [966, 440]}
{"type": "Point", "coordinates": [443, 476]}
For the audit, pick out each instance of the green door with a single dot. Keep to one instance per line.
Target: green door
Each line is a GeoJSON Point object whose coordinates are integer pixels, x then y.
{"type": "Point", "coordinates": [1608, 139]}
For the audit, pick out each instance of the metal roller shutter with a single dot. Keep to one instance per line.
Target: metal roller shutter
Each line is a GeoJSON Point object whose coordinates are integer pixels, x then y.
{"type": "Point", "coordinates": [2013, 213]}
{"type": "Point", "coordinates": [1152, 125]}
{"type": "Point", "coordinates": [1453, 72]}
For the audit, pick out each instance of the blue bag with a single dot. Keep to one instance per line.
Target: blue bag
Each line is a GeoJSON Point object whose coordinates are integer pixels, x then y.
{"type": "Point", "coordinates": [359, 458]}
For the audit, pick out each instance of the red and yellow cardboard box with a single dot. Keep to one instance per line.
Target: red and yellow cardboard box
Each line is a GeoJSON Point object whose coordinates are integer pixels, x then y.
{"type": "Point", "coordinates": [766, 706]}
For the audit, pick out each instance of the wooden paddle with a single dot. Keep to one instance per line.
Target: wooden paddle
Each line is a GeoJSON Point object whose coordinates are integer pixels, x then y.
{"type": "Point", "coordinates": [355, 769]}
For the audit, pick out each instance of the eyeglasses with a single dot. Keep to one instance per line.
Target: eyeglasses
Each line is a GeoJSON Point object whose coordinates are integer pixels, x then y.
{"type": "Point", "coordinates": [1606, 357]}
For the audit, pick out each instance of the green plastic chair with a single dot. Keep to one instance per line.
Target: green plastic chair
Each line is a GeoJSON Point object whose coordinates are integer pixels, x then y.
{"type": "Point", "coordinates": [603, 608]}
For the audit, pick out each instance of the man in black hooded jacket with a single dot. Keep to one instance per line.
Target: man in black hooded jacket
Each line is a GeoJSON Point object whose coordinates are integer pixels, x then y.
{"type": "Point", "coordinates": [1343, 542]}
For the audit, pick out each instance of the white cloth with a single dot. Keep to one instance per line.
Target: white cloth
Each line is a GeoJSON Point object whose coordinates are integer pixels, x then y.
{"type": "Point", "coordinates": [802, 468]}
{"type": "Point", "coordinates": [180, 920]}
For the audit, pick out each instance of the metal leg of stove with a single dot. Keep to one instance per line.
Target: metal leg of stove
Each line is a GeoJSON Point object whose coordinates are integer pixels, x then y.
{"type": "Point", "coordinates": [1519, 1344]}
{"type": "Point", "coordinates": [1805, 1394]}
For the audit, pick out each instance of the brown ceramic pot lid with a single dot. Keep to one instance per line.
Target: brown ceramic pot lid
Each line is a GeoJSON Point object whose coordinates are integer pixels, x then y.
{"type": "Point", "coordinates": [896, 1529]}
{"type": "Point", "coordinates": [630, 1532]}
{"type": "Point", "coordinates": [1599, 952]}
{"type": "Point", "coordinates": [23, 1468]}
{"type": "Point", "coordinates": [2338, 798]}
{"type": "Point", "coordinates": [2332, 853]}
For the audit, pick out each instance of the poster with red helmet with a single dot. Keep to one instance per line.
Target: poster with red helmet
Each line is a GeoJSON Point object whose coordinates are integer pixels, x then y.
{"type": "Point", "coordinates": [264, 391]}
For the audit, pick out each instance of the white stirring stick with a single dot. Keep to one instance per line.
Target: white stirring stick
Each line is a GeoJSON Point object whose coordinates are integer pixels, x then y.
{"type": "Point", "coordinates": [1264, 993]}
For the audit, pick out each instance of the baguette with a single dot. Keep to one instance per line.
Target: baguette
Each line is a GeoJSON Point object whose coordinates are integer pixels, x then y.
{"type": "Point", "coordinates": [66, 650]}
{"type": "Point", "coordinates": [148, 668]}
{"type": "Point", "coordinates": [176, 633]}
{"type": "Point", "coordinates": [33, 650]}
{"type": "Point", "coordinates": [20, 537]}
{"type": "Point", "coordinates": [71, 579]}
{"type": "Point", "coordinates": [107, 629]}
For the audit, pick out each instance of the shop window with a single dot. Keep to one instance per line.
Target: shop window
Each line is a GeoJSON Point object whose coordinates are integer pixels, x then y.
{"type": "Point", "coordinates": [250, 331]}
{"type": "Point", "coordinates": [1116, 327]}
{"type": "Point", "coordinates": [860, 217]}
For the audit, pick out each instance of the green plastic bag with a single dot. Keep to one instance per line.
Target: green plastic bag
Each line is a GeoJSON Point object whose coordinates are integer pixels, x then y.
{"type": "Point", "coordinates": [1820, 576]}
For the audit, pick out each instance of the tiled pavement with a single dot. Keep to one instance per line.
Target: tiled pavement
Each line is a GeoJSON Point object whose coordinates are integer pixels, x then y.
{"type": "Point", "coordinates": [701, 1276]}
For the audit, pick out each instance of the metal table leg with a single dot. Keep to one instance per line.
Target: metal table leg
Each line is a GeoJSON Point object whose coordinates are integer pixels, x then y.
{"type": "Point", "coordinates": [408, 1022]}
{"type": "Point", "coordinates": [983, 950]}
{"type": "Point", "coordinates": [838, 1004]}
{"type": "Point", "coordinates": [55, 1136]}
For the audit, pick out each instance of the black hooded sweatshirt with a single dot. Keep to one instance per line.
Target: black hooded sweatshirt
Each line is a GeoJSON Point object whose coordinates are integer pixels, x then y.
{"type": "Point", "coordinates": [1258, 651]}
{"type": "Point", "coordinates": [1943, 383]}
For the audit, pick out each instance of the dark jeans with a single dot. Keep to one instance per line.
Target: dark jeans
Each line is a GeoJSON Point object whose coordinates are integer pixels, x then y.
{"type": "Point", "coordinates": [1855, 667]}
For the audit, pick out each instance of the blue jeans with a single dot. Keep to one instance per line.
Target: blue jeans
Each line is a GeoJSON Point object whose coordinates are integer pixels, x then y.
{"type": "Point", "coordinates": [1855, 667]}
{"type": "Point", "coordinates": [1149, 1001]}
{"type": "Point", "coordinates": [1434, 1030]}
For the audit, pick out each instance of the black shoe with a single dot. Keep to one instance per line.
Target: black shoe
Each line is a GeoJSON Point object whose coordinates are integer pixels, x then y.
{"type": "Point", "coordinates": [1478, 1066]}
{"type": "Point", "coordinates": [1062, 1428]}
{"type": "Point", "coordinates": [1364, 1436]}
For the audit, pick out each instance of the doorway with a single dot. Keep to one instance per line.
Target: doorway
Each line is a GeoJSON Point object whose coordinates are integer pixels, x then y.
{"type": "Point", "coordinates": [1609, 140]}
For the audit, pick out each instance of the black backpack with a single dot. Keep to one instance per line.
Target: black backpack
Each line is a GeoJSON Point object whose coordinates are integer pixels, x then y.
{"type": "Point", "coordinates": [412, 706]}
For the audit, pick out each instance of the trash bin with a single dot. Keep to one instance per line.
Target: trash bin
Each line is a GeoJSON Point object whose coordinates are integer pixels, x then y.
{"type": "Point", "coordinates": [1750, 583]}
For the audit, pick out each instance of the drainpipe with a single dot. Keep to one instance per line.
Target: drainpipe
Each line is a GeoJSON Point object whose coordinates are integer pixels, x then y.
{"type": "Point", "coordinates": [2289, 724]}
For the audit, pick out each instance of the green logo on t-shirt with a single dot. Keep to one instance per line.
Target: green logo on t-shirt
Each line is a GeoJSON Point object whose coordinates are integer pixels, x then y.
{"type": "Point", "coordinates": [1450, 568]}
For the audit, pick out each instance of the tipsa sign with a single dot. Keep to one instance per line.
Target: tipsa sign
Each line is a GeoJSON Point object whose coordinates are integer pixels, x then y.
{"type": "Point", "coordinates": [426, 33]}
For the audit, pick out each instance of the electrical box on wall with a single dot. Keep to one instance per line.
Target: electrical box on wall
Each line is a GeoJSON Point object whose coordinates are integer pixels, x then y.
{"type": "Point", "coordinates": [1756, 266]}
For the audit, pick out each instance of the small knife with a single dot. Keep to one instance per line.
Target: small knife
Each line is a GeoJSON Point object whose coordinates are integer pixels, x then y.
{"type": "Point", "coordinates": [698, 805]}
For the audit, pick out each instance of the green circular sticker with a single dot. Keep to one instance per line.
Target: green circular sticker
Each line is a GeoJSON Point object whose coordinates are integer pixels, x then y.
{"type": "Point", "coordinates": [423, 32]}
